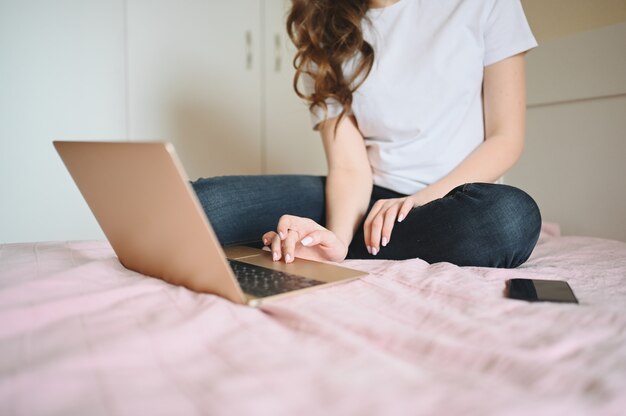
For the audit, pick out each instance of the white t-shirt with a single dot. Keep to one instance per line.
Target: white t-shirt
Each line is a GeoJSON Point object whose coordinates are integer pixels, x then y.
{"type": "Point", "coordinates": [420, 108]}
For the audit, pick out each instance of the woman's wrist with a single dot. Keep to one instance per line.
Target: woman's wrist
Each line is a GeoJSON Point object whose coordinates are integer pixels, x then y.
{"type": "Point", "coordinates": [345, 237]}
{"type": "Point", "coordinates": [423, 197]}
{"type": "Point", "coordinates": [431, 192]}
{"type": "Point", "coordinates": [340, 246]}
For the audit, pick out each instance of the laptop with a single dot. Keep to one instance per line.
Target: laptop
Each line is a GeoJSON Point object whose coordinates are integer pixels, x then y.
{"type": "Point", "coordinates": [144, 203]}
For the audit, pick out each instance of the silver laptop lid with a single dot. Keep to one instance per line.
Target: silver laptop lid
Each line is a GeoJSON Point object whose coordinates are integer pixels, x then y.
{"type": "Point", "coordinates": [144, 203]}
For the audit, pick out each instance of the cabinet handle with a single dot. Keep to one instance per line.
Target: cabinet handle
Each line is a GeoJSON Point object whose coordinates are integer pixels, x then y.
{"type": "Point", "coordinates": [278, 53]}
{"type": "Point", "coordinates": [249, 50]}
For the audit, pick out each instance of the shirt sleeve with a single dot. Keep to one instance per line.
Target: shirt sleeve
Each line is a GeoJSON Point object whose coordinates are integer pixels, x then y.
{"type": "Point", "coordinates": [507, 32]}
{"type": "Point", "coordinates": [317, 113]}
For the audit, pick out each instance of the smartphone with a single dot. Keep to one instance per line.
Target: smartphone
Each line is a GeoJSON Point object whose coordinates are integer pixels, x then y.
{"type": "Point", "coordinates": [535, 290]}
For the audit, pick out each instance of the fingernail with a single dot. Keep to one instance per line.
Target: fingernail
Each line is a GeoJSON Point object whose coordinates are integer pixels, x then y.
{"type": "Point", "coordinates": [400, 218]}
{"type": "Point", "coordinates": [374, 251]}
{"type": "Point", "coordinates": [275, 256]}
{"type": "Point", "coordinates": [369, 249]}
{"type": "Point", "coordinates": [288, 258]}
{"type": "Point", "coordinates": [384, 241]}
{"type": "Point", "coordinates": [265, 241]}
{"type": "Point", "coordinates": [282, 236]}
{"type": "Point", "coordinates": [306, 241]}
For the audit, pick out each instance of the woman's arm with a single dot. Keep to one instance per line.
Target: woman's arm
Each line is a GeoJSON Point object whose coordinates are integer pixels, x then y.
{"type": "Point", "coordinates": [349, 181]}
{"type": "Point", "coordinates": [348, 191]}
{"type": "Point", "coordinates": [504, 100]}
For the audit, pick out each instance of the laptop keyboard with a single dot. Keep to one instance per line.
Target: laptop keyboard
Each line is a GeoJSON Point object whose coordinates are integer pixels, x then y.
{"type": "Point", "coordinates": [261, 282]}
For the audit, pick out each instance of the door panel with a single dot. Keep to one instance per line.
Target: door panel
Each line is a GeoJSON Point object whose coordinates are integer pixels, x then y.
{"type": "Point", "coordinates": [291, 144]}
{"type": "Point", "coordinates": [194, 79]}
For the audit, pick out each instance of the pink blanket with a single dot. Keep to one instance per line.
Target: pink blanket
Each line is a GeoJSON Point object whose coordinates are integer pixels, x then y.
{"type": "Point", "coordinates": [79, 334]}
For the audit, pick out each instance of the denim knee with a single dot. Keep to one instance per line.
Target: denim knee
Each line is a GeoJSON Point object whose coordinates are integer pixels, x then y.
{"type": "Point", "coordinates": [515, 222]}
{"type": "Point", "coordinates": [242, 208]}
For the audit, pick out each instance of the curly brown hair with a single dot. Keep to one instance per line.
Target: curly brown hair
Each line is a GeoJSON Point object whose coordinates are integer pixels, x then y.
{"type": "Point", "coordinates": [327, 33]}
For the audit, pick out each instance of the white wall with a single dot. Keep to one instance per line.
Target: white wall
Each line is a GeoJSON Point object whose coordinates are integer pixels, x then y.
{"type": "Point", "coordinates": [552, 19]}
{"type": "Point", "coordinates": [574, 163]}
{"type": "Point", "coordinates": [121, 70]}
{"type": "Point", "coordinates": [62, 76]}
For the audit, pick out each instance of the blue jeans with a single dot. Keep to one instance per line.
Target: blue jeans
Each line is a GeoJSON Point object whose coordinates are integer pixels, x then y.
{"type": "Point", "coordinates": [476, 224]}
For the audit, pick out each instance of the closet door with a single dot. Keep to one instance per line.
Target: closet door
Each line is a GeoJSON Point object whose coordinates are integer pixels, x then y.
{"type": "Point", "coordinates": [195, 79]}
{"type": "Point", "coordinates": [291, 146]}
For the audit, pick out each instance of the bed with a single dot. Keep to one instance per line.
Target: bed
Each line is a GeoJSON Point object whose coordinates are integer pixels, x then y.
{"type": "Point", "coordinates": [81, 335]}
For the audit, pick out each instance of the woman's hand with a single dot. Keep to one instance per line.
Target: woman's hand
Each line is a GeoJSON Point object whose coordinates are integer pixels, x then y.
{"type": "Point", "coordinates": [304, 238]}
{"type": "Point", "coordinates": [381, 218]}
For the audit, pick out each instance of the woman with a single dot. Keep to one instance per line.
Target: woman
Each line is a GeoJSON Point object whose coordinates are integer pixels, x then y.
{"type": "Point", "coordinates": [421, 107]}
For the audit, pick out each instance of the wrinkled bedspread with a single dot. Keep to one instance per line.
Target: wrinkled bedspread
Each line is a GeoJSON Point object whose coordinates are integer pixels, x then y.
{"type": "Point", "coordinates": [81, 335]}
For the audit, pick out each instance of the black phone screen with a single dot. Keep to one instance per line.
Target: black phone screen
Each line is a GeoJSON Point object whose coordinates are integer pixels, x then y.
{"type": "Point", "coordinates": [535, 290]}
